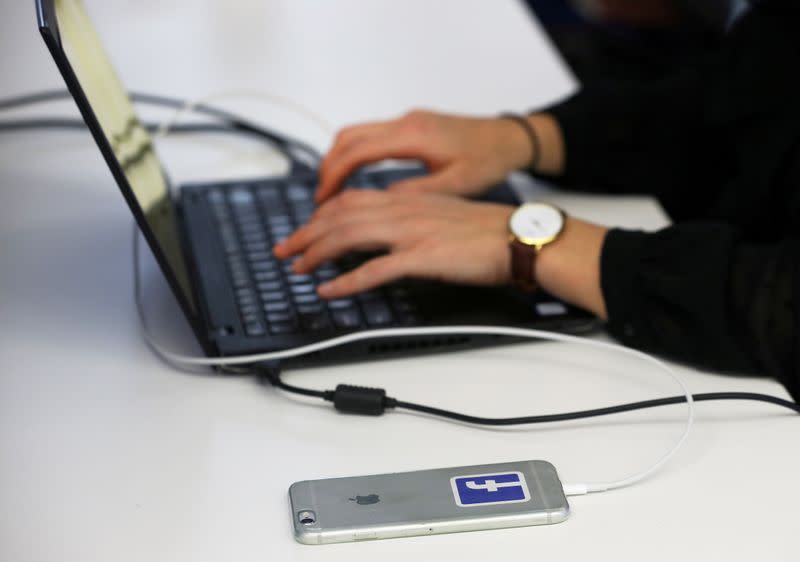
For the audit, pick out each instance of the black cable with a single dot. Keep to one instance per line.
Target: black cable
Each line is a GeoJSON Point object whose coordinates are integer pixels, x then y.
{"type": "Point", "coordinates": [373, 401]}
{"type": "Point", "coordinates": [288, 145]}
{"type": "Point", "coordinates": [353, 399]}
{"type": "Point", "coordinates": [271, 373]}
{"type": "Point", "coordinates": [549, 418]}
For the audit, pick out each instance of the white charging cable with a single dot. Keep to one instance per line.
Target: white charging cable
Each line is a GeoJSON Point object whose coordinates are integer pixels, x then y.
{"type": "Point", "coordinates": [574, 489]}
{"type": "Point", "coordinates": [187, 360]}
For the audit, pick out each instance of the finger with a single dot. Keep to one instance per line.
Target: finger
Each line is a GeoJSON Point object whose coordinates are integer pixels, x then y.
{"type": "Point", "coordinates": [297, 241]}
{"type": "Point", "coordinates": [360, 154]}
{"type": "Point", "coordinates": [350, 201]}
{"type": "Point", "coordinates": [344, 142]}
{"type": "Point", "coordinates": [339, 216]}
{"type": "Point", "coordinates": [350, 135]}
{"type": "Point", "coordinates": [352, 237]}
{"type": "Point", "coordinates": [377, 271]}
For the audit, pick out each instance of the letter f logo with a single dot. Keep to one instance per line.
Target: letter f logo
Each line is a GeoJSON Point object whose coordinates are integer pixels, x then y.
{"type": "Point", "coordinates": [483, 489]}
{"type": "Point", "coordinates": [490, 485]}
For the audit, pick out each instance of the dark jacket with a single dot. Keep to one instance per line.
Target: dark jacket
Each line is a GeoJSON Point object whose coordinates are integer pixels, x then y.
{"type": "Point", "coordinates": [719, 144]}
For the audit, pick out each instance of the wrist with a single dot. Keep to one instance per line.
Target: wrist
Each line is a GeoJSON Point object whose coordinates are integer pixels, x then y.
{"type": "Point", "coordinates": [550, 159]}
{"type": "Point", "coordinates": [569, 267]}
{"type": "Point", "coordinates": [514, 147]}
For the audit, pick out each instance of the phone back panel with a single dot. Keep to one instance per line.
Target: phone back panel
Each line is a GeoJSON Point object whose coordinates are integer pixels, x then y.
{"type": "Point", "coordinates": [443, 500]}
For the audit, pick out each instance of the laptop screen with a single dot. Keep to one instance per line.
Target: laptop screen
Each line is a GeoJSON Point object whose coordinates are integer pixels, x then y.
{"type": "Point", "coordinates": [129, 141]}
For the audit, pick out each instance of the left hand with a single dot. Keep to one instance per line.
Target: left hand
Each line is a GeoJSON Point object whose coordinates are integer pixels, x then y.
{"type": "Point", "coordinates": [425, 235]}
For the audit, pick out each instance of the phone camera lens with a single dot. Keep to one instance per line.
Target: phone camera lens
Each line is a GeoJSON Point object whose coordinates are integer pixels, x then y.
{"type": "Point", "coordinates": [307, 517]}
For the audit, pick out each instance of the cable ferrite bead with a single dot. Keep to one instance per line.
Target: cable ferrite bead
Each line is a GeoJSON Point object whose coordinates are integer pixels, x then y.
{"type": "Point", "coordinates": [361, 400]}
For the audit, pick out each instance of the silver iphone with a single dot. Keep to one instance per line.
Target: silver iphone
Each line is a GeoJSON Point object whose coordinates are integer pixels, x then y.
{"type": "Point", "coordinates": [427, 502]}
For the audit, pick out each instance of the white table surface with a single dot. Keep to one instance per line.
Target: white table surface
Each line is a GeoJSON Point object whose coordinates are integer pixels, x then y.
{"type": "Point", "coordinates": [108, 454]}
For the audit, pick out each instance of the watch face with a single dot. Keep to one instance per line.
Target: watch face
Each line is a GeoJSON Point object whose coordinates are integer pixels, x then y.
{"type": "Point", "coordinates": [536, 223]}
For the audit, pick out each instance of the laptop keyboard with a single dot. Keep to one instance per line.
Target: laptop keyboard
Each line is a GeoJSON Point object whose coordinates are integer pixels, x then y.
{"type": "Point", "coordinates": [271, 298]}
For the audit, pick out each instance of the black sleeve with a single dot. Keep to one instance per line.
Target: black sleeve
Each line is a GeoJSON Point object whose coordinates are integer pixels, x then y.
{"type": "Point", "coordinates": [616, 134]}
{"type": "Point", "coordinates": [681, 135]}
{"type": "Point", "coordinates": [700, 293]}
{"type": "Point", "coordinates": [640, 138]}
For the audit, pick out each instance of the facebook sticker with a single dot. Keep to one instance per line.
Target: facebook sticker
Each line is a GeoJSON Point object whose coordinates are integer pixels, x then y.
{"type": "Point", "coordinates": [488, 489]}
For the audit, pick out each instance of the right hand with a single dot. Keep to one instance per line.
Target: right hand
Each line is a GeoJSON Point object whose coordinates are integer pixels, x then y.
{"type": "Point", "coordinates": [465, 155]}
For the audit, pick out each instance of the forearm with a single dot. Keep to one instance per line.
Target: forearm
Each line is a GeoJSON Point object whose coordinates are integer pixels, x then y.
{"type": "Point", "coordinates": [569, 268]}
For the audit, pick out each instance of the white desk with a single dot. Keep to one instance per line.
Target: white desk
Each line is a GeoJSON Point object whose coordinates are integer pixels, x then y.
{"type": "Point", "coordinates": [107, 454]}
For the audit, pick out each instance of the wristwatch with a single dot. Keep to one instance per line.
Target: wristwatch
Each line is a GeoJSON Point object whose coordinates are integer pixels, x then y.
{"type": "Point", "coordinates": [532, 226]}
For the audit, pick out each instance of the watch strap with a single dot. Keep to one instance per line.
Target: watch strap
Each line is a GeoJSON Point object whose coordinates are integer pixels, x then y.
{"type": "Point", "coordinates": [523, 259]}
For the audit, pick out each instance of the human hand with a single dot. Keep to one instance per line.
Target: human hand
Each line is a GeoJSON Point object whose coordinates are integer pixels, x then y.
{"type": "Point", "coordinates": [465, 155]}
{"type": "Point", "coordinates": [425, 235]}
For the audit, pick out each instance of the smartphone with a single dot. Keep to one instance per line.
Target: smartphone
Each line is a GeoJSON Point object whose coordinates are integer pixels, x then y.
{"type": "Point", "coordinates": [427, 502]}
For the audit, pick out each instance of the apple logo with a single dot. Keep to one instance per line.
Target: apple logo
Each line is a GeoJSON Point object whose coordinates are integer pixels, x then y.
{"type": "Point", "coordinates": [366, 500]}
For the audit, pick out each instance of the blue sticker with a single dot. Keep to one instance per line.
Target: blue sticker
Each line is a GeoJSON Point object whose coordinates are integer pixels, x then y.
{"type": "Point", "coordinates": [488, 489]}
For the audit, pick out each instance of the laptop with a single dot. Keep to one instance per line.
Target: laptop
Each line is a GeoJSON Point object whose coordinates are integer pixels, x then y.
{"type": "Point", "coordinates": [213, 240]}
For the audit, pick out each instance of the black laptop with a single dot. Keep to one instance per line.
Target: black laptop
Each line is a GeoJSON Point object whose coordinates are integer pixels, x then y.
{"type": "Point", "coordinates": [213, 241]}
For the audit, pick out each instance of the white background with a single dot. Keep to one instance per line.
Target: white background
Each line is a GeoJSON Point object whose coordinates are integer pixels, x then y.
{"type": "Point", "coordinates": [108, 454]}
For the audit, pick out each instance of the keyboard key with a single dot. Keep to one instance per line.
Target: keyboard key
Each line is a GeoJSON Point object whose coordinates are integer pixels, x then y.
{"type": "Point", "coordinates": [254, 237]}
{"type": "Point", "coordinates": [271, 296]}
{"type": "Point", "coordinates": [377, 313]}
{"type": "Point", "coordinates": [298, 279]}
{"type": "Point", "coordinates": [263, 265]}
{"type": "Point", "coordinates": [240, 196]}
{"type": "Point", "coordinates": [398, 292]}
{"type": "Point", "coordinates": [288, 316]}
{"type": "Point", "coordinates": [306, 298]}
{"type": "Point", "coordinates": [280, 231]}
{"type": "Point", "coordinates": [268, 275]}
{"type": "Point", "coordinates": [309, 308]}
{"type": "Point", "coordinates": [267, 286]}
{"type": "Point", "coordinates": [302, 289]}
{"type": "Point", "coordinates": [346, 317]}
{"type": "Point", "coordinates": [245, 292]}
{"type": "Point", "coordinates": [216, 197]}
{"type": "Point", "coordinates": [259, 256]}
{"type": "Point", "coordinates": [327, 272]}
{"type": "Point", "coordinates": [282, 327]}
{"type": "Point", "coordinates": [254, 329]}
{"type": "Point", "coordinates": [256, 247]}
{"type": "Point", "coordinates": [298, 192]}
{"type": "Point", "coordinates": [249, 310]}
{"type": "Point", "coordinates": [269, 193]}
{"type": "Point", "coordinates": [240, 280]}
{"type": "Point", "coordinates": [404, 306]}
{"type": "Point", "coordinates": [277, 209]}
{"type": "Point", "coordinates": [408, 318]}
{"type": "Point", "coordinates": [315, 322]}
{"type": "Point", "coordinates": [341, 303]}
{"type": "Point", "coordinates": [230, 246]}
{"type": "Point", "coordinates": [369, 296]}
{"type": "Point", "coordinates": [279, 220]}
{"type": "Point", "coordinates": [247, 221]}
{"type": "Point", "coordinates": [278, 306]}
{"type": "Point", "coordinates": [238, 270]}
